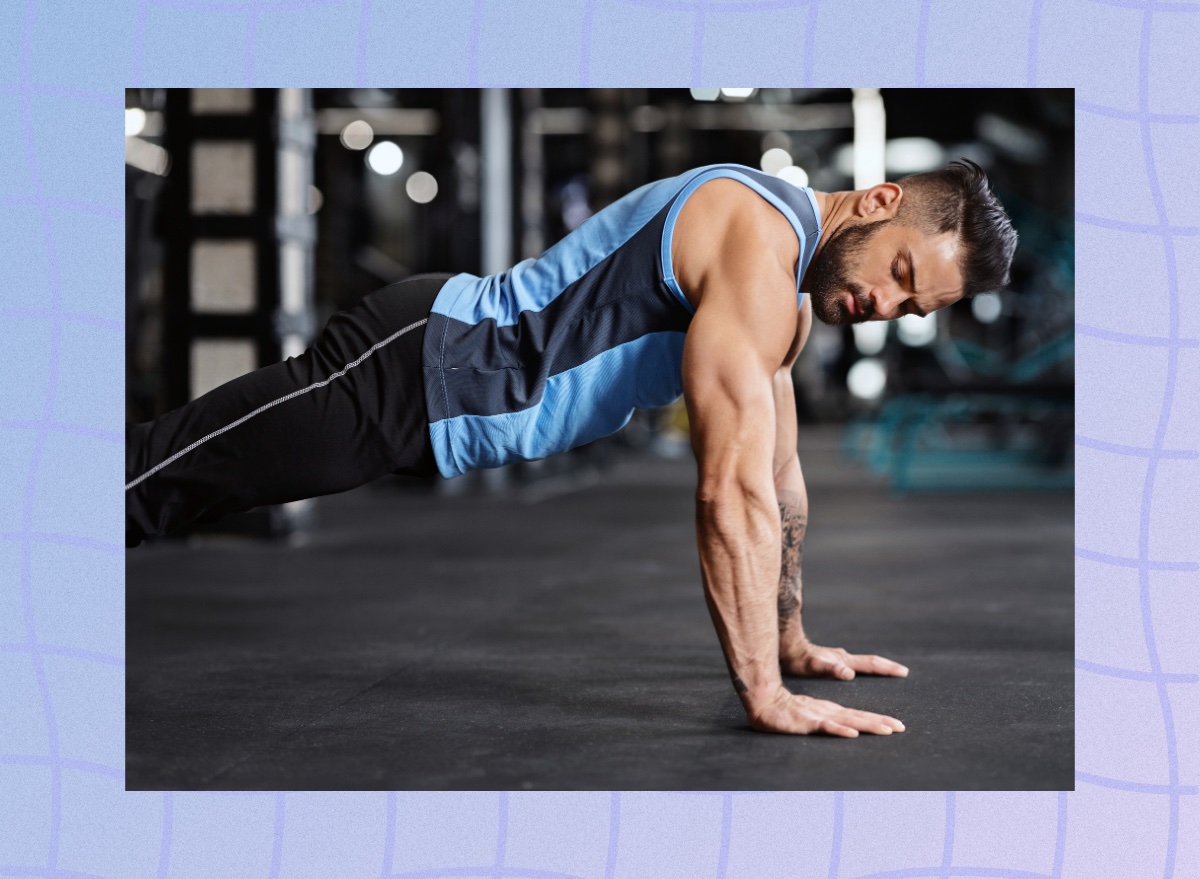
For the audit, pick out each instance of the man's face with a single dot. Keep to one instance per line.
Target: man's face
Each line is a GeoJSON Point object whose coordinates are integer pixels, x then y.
{"type": "Point", "coordinates": [883, 270]}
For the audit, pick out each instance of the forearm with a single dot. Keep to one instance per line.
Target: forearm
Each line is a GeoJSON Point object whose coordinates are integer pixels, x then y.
{"type": "Point", "coordinates": [740, 553]}
{"type": "Point", "coordinates": [793, 518]}
{"type": "Point", "coordinates": [739, 541]}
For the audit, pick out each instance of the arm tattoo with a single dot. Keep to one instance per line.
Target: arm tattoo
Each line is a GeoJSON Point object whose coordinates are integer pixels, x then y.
{"type": "Point", "coordinates": [794, 523]}
{"type": "Point", "coordinates": [739, 686]}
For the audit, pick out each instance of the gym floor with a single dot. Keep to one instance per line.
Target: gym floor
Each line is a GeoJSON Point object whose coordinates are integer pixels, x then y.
{"type": "Point", "coordinates": [555, 636]}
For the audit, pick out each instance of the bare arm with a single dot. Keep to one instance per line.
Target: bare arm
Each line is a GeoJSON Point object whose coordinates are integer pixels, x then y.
{"type": "Point", "coordinates": [727, 368]}
{"type": "Point", "coordinates": [793, 516]}
{"type": "Point", "coordinates": [797, 655]}
{"type": "Point", "coordinates": [739, 338]}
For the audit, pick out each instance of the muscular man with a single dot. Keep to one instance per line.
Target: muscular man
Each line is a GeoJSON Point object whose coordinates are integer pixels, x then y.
{"type": "Point", "coordinates": [696, 285]}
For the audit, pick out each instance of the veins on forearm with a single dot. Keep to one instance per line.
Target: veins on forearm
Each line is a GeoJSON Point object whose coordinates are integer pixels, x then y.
{"type": "Point", "coordinates": [793, 523]}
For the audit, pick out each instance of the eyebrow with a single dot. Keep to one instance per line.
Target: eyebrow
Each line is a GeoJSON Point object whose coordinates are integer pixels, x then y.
{"type": "Point", "coordinates": [912, 282]}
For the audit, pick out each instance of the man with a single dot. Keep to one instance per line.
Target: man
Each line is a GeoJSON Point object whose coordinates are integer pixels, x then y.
{"type": "Point", "coordinates": [695, 285]}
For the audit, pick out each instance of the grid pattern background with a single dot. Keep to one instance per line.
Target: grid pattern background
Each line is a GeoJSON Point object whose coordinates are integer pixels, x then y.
{"type": "Point", "coordinates": [1135, 811]}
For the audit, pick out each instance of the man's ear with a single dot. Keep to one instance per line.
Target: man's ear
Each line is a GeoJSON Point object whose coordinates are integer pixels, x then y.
{"type": "Point", "coordinates": [879, 202]}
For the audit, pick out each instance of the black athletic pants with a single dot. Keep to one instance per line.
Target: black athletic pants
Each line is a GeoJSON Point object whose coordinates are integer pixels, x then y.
{"type": "Point", "coordinates": [348, 410]}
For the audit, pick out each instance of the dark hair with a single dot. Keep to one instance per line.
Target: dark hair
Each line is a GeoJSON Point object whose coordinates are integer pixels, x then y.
{"type": "Point", "coordinates": [957, 199]}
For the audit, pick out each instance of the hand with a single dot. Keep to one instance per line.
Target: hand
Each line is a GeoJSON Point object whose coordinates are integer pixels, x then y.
{"type": "Point", "coordinates": [811, 661]}
{"type": "Point", "coordinates": [787, 712]}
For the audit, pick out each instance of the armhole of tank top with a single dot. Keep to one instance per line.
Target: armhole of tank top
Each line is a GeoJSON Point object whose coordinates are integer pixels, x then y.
{"type": "Point", "coordinates": [804, 243]}
{"type": "Point", "coordinates": [668, 269]}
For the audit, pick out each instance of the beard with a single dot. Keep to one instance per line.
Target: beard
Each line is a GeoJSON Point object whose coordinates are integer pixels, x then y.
{"type": "Point", "coordinates": [828, 276]}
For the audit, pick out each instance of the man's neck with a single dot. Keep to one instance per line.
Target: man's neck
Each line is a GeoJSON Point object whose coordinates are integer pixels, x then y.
{"type": "Point", "coordinates": [836, 208]}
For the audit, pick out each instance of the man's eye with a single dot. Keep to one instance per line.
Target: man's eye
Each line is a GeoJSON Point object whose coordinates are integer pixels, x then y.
{"type": "Point", "coordinates": [896, 271]}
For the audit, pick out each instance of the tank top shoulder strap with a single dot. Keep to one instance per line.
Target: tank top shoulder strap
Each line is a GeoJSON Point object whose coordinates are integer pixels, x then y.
{"type": "Point", "coordinates": [796, 203]}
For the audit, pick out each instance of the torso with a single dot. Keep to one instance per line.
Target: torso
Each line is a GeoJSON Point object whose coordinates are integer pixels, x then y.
{"type": "Point", "coordinates": [561, 349]}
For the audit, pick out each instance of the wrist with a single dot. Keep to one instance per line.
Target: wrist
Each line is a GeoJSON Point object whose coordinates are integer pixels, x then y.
{"type": "Point", "coordinates": [793, 646]}
{"type": "Point", "coordinates": [755, 699]}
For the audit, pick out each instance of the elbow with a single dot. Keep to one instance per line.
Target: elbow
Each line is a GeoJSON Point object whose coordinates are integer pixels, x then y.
{"type": "Point", "coordinates": [721, 498]}
{"type": "Point", "coordinates": [719, 483]}
{"type": "Point", "coordinates": [737, 516]}
{"type": "Point", "coordinates": [736, 477]}
{"type": "Point", "coordinates": [788, 470]}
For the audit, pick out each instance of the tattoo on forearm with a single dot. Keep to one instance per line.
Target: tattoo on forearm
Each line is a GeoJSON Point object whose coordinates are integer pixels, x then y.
{"type": "Point", "coordinates": [739, 686]}
{"type": "Point", "coordinates": [794, 522]}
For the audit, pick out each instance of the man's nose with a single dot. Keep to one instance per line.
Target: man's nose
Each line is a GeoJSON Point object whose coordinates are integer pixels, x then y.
{"type": "Point", "coordinates": [887, 303]}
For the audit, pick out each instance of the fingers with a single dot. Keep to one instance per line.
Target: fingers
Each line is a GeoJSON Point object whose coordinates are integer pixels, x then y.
{"type": "Point", "coordinates": [833, 665]}
{"type": "Point", "coordinates": [863, 721]}
{"type": "Point", "coordinates": [805, 715]}
{"type": "Point", "coordinates": [875, 665]}
{"type": "Point", "coordinates": [877, 722]}
{"type": "Point", "coordinates": [835, 662]}
{"type": "Point", "coordinates": [833, 728]}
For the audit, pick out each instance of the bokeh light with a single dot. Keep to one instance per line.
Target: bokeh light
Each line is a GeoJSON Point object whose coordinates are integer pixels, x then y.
{"type": "Point", "coordinates": [987, 307]}
{"type": "Point", "coordinates": [867, 379]}
{"type": "Point", "coordinates": [794, 175]}
{"type": "Point", "coordinates": [421, 187]}
{"type": "Point", "coordinates": [357, 135]}
{"type": "Point", "coordinates": [912, 329]}
{"type": "Point", "coordinates": [869, 337]}
{"type": "Point", "coordinates": [385, 158]}
{"type": "Point", "coordinates": [775, 160]}
{"type": "Point", "coordinates": [135, 121]}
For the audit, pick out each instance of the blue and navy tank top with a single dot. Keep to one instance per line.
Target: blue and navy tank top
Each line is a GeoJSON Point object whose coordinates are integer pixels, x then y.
{"type": "Point", "coordinates": [560, 350]}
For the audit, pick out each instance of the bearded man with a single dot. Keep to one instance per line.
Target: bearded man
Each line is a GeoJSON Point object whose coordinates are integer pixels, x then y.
{"type": "Point", "coordinates": [704, 285]}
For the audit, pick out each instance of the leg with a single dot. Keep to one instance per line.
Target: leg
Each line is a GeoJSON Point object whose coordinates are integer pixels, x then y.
{"type": "Point", "coordinates": [348, 410]}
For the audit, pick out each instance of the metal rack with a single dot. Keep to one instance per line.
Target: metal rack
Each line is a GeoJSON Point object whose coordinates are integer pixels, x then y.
{"type": "Point", "coordinates": [239, 260]}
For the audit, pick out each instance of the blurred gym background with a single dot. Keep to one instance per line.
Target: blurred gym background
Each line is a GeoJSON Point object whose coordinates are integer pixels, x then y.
{"type": "Point", "coordinates": [253, 215]}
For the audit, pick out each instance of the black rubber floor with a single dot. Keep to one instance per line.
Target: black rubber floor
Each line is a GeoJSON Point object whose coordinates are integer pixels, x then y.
{"type": "Point", "coordinates": [556, 637]}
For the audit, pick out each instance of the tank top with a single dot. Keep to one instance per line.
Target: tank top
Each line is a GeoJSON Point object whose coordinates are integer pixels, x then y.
{"type": "Point", "coordinates": [559, 350]}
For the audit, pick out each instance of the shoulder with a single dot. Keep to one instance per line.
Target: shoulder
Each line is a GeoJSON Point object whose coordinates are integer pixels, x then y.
{"type": "Point", "coordinates": [727, 231]}
{"type": "Point", "coordinates": [730, 204]}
